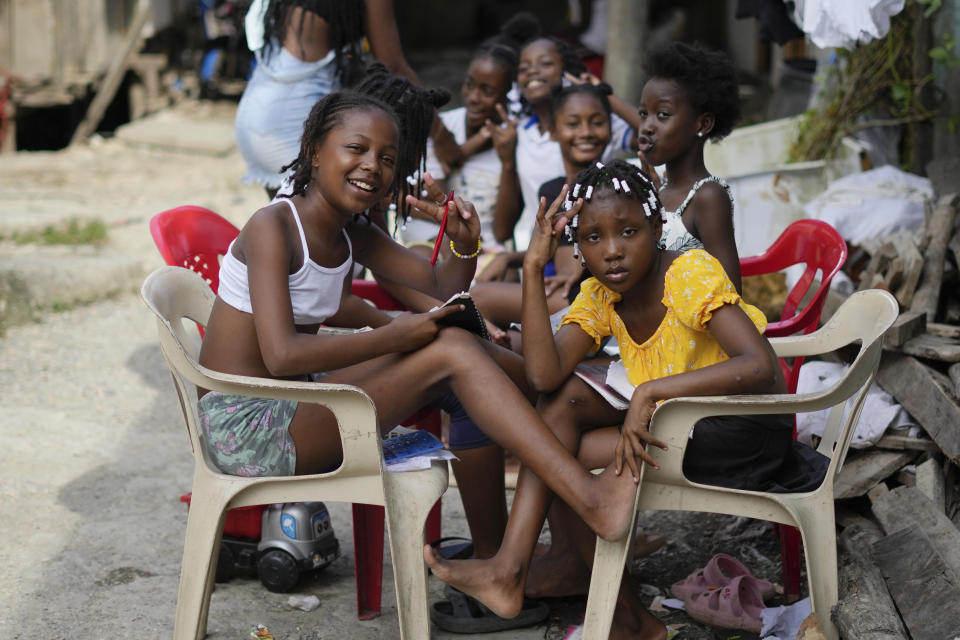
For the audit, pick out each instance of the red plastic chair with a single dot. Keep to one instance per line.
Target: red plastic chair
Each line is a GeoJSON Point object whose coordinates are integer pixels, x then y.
{"type": "Point", "coordinates": [194, 237]}
{"type": "Point", "coordinates": [821, 248]}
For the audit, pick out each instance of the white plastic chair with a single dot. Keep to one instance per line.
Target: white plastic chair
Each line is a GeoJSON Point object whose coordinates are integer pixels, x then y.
{"type": "Point", "coordinates": [177, 295]}
{"type": "Point", "coordinates": [864, 317]}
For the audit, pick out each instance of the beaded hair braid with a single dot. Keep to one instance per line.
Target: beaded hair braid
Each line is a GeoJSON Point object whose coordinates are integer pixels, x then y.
{"type": "Point", "coordinates": [620, 176]}
{"type": "Point", "coordinates": [415, 107]}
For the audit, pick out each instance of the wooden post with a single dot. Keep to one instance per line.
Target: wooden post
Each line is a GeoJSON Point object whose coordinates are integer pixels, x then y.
{"type": "Point", "coordinates": [939, 229]}
{"type": "Point", "coordinates": [111, 82]}
{"type": "Point", "coordinates": [865, 608]}
{"type": "Point", "coordinates": [626, 41]}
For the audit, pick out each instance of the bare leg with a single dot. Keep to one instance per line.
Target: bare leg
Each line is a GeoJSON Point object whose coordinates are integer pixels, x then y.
{"type": "Point", "coordinates": [482, 377]}
{"type": "Point", "coordinates": [499, 582]}
{"type": "Point", "coordinates": [561, 572]}
{"type": "Point", "coordinates": [479, 473]}
{"type": "Point", "coordinates": [499, 302]}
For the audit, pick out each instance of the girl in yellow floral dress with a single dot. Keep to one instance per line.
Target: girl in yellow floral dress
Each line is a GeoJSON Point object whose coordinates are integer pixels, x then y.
{"type": "Point", "coordinates": [683, 331]}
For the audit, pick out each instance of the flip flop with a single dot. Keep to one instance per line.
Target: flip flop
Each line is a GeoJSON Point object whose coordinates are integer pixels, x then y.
{"type": "Point", "coordinates": [737, 605]}
{"type": "Point", "coordinates": [460, 613]}
{"type": "Point", "coordinates": [453, 547]}
{"type": "Point", "coordinates": [719, 571]}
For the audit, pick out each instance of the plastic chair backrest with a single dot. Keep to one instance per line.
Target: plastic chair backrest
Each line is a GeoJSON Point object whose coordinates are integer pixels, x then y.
{"type": "Point", "coordinates": [195, 238]}
{"type": "Point", "coordinates": [863, 318]}
{"type": "Point", "coordinates": [819, 247]}
{"type": "Point", "coordinates": [175, 296]}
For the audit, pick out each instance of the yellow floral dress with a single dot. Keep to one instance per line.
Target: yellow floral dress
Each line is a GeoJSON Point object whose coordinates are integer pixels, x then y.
{"type": "Point", "coordinates": [694, 287]}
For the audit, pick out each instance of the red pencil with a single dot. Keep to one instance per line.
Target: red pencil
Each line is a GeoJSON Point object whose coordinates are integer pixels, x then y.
{"type": "Point", "coordinates": [443, 228]}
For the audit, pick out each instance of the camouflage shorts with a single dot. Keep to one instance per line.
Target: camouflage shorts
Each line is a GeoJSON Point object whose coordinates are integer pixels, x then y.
{"type": "Point", "coordinates": [248, 436]}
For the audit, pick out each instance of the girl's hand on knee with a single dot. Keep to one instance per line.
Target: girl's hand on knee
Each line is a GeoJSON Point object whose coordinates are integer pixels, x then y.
{"type": "Point", "coordinates": [634, 436]}
{"type": "Point", "coordinates": [496, 269]}
{"type": "Point", "coordinates": [414, 330]}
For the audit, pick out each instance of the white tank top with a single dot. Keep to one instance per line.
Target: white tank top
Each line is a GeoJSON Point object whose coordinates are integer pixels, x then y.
{"type": "Point", "coordinates": [315, 291]}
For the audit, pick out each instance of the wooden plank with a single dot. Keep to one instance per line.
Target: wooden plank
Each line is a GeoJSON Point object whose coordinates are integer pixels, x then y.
{"type": "Point", "coordinates": [914, 386]}
{"type": "Point", "coordinates": [924, 587]}
{"type": "Point", "coordinates": [111, 82]}
{"type": "Point", "coordinates": [943, 330]}
{"type": "Point", "coordinates": [939, 229]}
{"type": "Point", "coordinates": [863, 472]}
{"type": "Point", "coordinates": [865, 609]}
{"type": "Point", "coordinates": [908, 324]}
{"type": "Point", "coordinates": [907, 506]}
{"type": "Point", "coordinates": [899, 443]}
{"type": "Point", "coordinates": [933, 348]}
{"type": "Point", "coordinates": [929, 479]}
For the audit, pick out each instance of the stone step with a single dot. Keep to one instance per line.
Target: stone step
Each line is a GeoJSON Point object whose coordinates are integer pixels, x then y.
{"type": "Point", "coordinates": [36, 280]}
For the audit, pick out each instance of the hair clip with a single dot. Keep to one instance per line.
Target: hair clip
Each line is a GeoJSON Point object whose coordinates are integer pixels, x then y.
{"type": "Point", "coordinates": [576, 190]}
{"type": "Point", "coordinates": [626, 187]}
{"type": "Point", "coordinates": [589, 193]}
{"type": "Point", "coordinates": [599, 165]}
{"type": "Point", "coordinates": [615, 183]}
{"type": "Point", "coordinates": [646, 209]}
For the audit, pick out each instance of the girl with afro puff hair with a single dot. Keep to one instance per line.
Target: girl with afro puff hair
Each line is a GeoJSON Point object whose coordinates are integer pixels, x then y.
{"type": "Point", "coordinates": [691, 96]}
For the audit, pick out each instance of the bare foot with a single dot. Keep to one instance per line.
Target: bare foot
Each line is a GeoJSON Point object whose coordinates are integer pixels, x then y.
{"type": "Point", "coordinates": [557, 574]}
{"type": "Point", "coordinates": [499, 588]}
{"type": "Point", "coordinates": [611, 504]}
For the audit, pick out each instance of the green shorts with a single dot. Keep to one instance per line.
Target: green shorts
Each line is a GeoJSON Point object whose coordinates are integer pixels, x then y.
{"type": "Point", "coordinates": [248, 436]}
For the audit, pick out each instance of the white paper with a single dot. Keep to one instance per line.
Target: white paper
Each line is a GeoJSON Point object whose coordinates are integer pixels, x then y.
{"type": "Point", "coordinates": [782, 623]}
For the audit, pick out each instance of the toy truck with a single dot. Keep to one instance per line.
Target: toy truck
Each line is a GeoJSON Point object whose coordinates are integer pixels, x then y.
{"type": "Point", "coordinates": [276, 542]}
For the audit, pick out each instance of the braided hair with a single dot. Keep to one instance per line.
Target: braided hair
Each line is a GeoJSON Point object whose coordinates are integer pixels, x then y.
{"type": "Point", "coordinates": [619, 176]}
{"type": "Point", "coordinates": [524, 29]}
{"type": "Point", "coordinates": [501, 52]}
{"type": "Point", "coordinates": [415, 108]}
{"type": "Point", "coordinates": [561, 94]}
{"type": "Point", "coordinates": [347, 27]}
{"type": "Point", "coordinates": [326, 114]}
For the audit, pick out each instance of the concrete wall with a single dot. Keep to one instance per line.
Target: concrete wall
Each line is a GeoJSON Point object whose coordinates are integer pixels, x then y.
{"type": "Point", "coordinates": [68, 41]}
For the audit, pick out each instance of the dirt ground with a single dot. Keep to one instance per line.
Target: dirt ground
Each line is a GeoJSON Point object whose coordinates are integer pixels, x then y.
{"type": "Point", "coordinates": [94, 450]}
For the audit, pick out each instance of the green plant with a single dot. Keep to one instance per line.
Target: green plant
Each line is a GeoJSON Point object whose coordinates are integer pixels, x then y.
{"type": "Point", "coordinates": [876, 78]}
{"type": "Point", "coordinates": [71, 232]}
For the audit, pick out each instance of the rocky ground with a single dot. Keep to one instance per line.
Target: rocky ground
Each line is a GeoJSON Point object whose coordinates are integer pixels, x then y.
{"type": "Point", "coordinates": [95, 453]}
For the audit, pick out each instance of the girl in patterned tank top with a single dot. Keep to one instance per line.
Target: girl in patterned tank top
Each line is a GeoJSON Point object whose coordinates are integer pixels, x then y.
{"type": "Point", "coordinates": [691, 96]}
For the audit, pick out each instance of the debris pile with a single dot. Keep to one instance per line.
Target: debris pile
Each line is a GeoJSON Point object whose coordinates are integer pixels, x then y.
{"type": "Point", "coordinates": [899, 501]}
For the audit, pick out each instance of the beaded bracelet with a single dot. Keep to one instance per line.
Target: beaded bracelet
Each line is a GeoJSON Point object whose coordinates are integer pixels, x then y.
{"type": "Point", "coordinates": [466, 257]}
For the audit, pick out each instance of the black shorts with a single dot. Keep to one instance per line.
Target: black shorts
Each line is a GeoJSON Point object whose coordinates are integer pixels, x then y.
{"type": "Point", "coordinates": [753, 452]}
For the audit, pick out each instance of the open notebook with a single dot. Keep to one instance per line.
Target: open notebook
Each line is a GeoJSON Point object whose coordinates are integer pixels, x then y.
{"type": "Point", "coordinates": [609, 381]}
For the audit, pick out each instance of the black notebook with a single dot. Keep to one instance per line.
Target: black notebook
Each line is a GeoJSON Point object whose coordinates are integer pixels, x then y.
{"type": "Point", "coordinates": [469, 319]}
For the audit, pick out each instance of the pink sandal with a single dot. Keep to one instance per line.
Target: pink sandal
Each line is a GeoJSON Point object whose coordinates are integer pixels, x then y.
{"type": "Point", "coordinates": [720, 571]}
{"type": "Point", "coordinates": [735, 606]}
